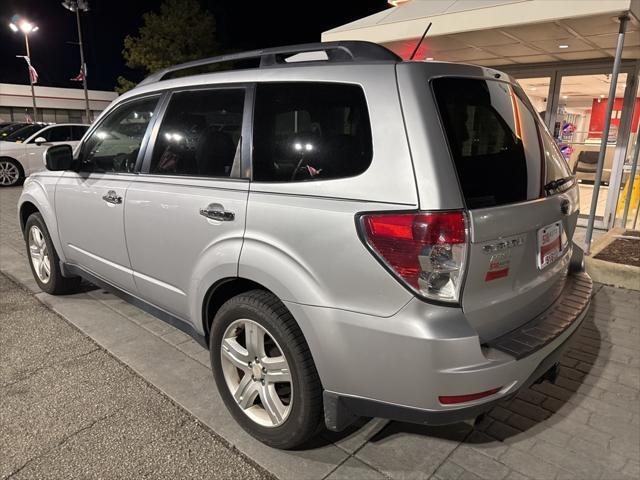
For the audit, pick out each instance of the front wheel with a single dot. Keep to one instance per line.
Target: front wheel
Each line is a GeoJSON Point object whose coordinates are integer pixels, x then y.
{"type": "Point", "coordinates": [44, 260]}
{"type": "Point", "coordinates": [264, 371]}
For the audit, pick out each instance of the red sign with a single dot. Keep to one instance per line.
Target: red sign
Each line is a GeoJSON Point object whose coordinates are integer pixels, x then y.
{"type": "Point", "coordinates": [598, 110]}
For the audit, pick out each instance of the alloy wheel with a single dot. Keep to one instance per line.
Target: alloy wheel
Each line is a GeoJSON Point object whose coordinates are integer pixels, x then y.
{"type": "Point", "coordinates": [257, 373]}
{"type": "Point", "coordinates": [39, 254]}
{"type": "Point", "coordinates": [9, 173]}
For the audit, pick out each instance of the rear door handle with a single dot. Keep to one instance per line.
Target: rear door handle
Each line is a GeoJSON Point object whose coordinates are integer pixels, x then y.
{"type": "Point", "coordinates": [112, 197]}
{"type": "Point", "coordinates": [215, 211]}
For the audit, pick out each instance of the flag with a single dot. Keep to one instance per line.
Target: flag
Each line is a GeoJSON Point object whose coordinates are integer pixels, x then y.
{"type": "Point", "coordinates": [81, 75]}
{"type": "Point", "coordinates": [33, 75]}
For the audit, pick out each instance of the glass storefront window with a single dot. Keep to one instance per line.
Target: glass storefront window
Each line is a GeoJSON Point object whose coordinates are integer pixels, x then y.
{"type": "Point", "coordinates": [537, 90]}
{"type": "Point", "coordinates": [578, 130]}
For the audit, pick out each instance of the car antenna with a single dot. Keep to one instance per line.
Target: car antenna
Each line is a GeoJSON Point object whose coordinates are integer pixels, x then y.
{"type": "Point", "coordinates": [420, 42]}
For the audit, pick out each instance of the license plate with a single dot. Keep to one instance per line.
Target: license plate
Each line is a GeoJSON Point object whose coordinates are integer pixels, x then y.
{"type": "Point", "coordinates": [549, 244]}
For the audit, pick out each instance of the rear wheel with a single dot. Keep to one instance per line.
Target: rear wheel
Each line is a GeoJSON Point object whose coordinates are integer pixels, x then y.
{"type": "Point", "coordinates": [43, 259]}
{"type": "Point", "coordinates": [264, 370]}
{"type": "Point", "coordinates": [11, 172]}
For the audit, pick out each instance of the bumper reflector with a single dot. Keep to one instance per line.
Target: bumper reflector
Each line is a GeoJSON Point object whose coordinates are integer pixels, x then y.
{"type": "Point", "coordinates": [452, 399]}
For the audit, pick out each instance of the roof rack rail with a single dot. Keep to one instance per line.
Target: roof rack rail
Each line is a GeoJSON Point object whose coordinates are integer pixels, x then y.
{"type": "Point", "coordinates": [343, 51]}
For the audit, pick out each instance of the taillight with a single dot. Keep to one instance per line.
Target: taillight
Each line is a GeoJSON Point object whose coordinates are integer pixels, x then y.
{"type": "Point", "coordinates": [425, 250]}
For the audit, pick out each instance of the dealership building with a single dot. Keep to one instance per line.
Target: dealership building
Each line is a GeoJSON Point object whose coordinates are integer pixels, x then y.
{"type": "Point", "coordinates": [563, 53]}
{"type": "Point", "coordinates": [54, 105]}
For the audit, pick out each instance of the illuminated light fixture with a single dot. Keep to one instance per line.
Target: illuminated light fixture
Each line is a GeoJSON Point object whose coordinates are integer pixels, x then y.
{"type": "Point", "coordinates": [563, 46]}
{"type": "Point", "coordinates": [13, 27]}
{"type": "Point", "coordinates": [308, 147]}
{"type": "Point", "coordinates": [429, 59]}
{"type": "Point", "coordinates": [533, 89]}
{"type": "Point", "coordinates": [396, 3]}
{"type": "Point", "coordinates": [297, 146]}
{"type": "Point", "coordinates": [601, 96]}
{"type": "Point", "coordinates": [564, 97]}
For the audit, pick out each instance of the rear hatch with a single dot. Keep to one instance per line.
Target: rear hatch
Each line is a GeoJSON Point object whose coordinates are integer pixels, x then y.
{"type": "Point", "coordinates": [520, 196]}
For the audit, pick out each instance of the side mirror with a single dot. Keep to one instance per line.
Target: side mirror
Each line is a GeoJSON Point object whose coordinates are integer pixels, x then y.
{"type": "Point", "coordinates": [40, 140]}
{"type": "Point", "coordinates": [58, 157]}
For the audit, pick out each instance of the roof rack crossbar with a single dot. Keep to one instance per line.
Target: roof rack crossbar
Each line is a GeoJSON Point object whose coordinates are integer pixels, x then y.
{"type": "Point", "coordinates": [345, 51]}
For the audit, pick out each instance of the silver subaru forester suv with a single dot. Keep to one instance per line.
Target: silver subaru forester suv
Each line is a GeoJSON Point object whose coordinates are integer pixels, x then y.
{"type": "Point", "coordinates": [349, 234]}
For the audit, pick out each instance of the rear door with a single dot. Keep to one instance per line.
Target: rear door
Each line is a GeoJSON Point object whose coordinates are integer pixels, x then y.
{"type": "Point", "coordinates": [521, 199]}
{"type": "Point", "coordinates": [185, 213]}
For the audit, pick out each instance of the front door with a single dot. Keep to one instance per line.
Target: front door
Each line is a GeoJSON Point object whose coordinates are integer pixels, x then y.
{"type": "Point", "coordinates": [185, 213]}
{"type": "Point", "coordinates": [90, 203]}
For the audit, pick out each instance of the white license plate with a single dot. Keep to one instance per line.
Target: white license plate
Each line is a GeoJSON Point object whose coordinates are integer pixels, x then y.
{"type": "Point", "coordinates": [549, 244]}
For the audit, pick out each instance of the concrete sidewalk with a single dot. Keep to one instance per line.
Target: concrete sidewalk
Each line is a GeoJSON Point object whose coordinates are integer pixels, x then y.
{"type": "Point", "coordinates": [70, 410]}
{"type": "Point", "coordinates": [586, 427]}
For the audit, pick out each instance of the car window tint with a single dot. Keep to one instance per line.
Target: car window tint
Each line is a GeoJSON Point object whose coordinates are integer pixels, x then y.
{"type": "Point", "coordinates": [115, 144]}
{"type": "Point", "coordinates": [200, 134]}
{"type": "Point", "coordinates": [77, 131]}
{"type": "Point", "coordinates": [24, 132]}
{"type": "Point", "coordinates": [57, 134]}
{"type": "Point", "coordinates": [310, 131]}
{"type": "Point", "coordinates": [494, 140]}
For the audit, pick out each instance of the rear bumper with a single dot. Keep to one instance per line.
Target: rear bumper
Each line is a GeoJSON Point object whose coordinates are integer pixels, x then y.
{"type": "Point", "coordinates": [342, 410]}
{"type": "Point", "coordinates": [512, 362]}
{"type": "Point", "coordinates": [397, 367]}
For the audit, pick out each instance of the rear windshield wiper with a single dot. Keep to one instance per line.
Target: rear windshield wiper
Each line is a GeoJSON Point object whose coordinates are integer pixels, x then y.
{"type": "Point", "coordinates": [556, 184]}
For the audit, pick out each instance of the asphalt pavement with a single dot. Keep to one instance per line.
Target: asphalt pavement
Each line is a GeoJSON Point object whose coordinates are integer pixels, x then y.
{"type": "Point", "coordinates": [68, 409]}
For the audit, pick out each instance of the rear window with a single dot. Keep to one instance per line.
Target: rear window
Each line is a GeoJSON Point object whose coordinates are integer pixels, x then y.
{"type": "Point", "coordinates": [501, 152]}
{"type": "Point", "coordinates": [309, 132]}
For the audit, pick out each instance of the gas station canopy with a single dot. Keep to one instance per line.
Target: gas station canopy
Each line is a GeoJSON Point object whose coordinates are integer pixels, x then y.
{"type": "Point", "coordinates": [501, 32]}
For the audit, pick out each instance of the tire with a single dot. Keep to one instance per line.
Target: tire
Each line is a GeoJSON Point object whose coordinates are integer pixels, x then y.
{"type": "Point", "coordinates": [40, 246]}
{"type": "Point", "coordinates": [11, 172]}
{"type": "Point", "coordinates": [249, 312]}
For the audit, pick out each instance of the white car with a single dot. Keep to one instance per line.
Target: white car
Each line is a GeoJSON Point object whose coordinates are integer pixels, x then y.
{"type": "Point", "coordinates": [21, 153]}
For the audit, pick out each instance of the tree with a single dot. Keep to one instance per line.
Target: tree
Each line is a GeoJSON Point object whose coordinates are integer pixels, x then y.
{"type": "Point", "coordinates": [180, 32]}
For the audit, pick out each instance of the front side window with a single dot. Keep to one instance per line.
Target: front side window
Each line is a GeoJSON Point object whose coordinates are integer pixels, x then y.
{"type": "Point", "coordinates": [56, 134]}
{"type": "Point", "coordinates": [200, 134]}
{"type": "Point", "coordinates": [310, 131]}
{"type": "Point", "coordinates": [115, 144]}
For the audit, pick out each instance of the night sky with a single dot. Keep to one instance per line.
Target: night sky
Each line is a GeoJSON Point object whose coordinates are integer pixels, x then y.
{"type": "Point", "coordinates": [241, 25]}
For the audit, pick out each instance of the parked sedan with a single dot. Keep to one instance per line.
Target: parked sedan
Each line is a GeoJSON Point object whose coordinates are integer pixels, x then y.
{"type": "Point", "coordinates": [21, 152]}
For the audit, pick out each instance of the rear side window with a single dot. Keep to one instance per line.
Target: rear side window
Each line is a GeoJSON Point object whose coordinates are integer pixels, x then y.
{"type": "Point", "coordinates": [500, 151]}
{"type": "Point", "coordinates": [200, 134]}
{"type": "Point", "coordinates": [310, 131]}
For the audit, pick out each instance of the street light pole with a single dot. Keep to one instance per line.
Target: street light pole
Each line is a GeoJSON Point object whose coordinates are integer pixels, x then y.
{"type": "Point", "coordinates": [19, 24]}
{"type": "Point", "coordinates": [84, 68]}
{"type": "Point", "coordinates": [75, 6]}
{"type": "Point", "coordinates": [33, 90]}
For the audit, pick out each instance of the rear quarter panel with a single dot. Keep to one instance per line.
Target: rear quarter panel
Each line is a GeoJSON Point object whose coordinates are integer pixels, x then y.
{"type": "Point", "coordinates": [301, 239]}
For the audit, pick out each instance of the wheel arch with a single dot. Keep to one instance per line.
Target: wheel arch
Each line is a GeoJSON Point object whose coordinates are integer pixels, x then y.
{"type": "Point", "coordinates": [36, 198]}
{"type": "Point", "coordinates": [27, 208]}
{"type": "Point", "coordinates": [219, 293]}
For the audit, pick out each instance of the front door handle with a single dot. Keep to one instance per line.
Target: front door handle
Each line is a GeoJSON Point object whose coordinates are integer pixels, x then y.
{"type": "Point", "coordinates": [112, 197]}
{"type": "Point", "coordinates": [215, 211]}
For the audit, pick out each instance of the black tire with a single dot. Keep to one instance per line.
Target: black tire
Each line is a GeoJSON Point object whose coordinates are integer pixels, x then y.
{"type": "Point", "coordinates": [56, 284]}
{"type": "Point", "coordinates": [15, 163]}
{"type": "Point", "coordinates": [306, 416]}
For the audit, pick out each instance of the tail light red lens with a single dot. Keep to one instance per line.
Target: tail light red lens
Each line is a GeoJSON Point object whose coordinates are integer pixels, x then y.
{"type": "Point", "coordinates": [425, 250]}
